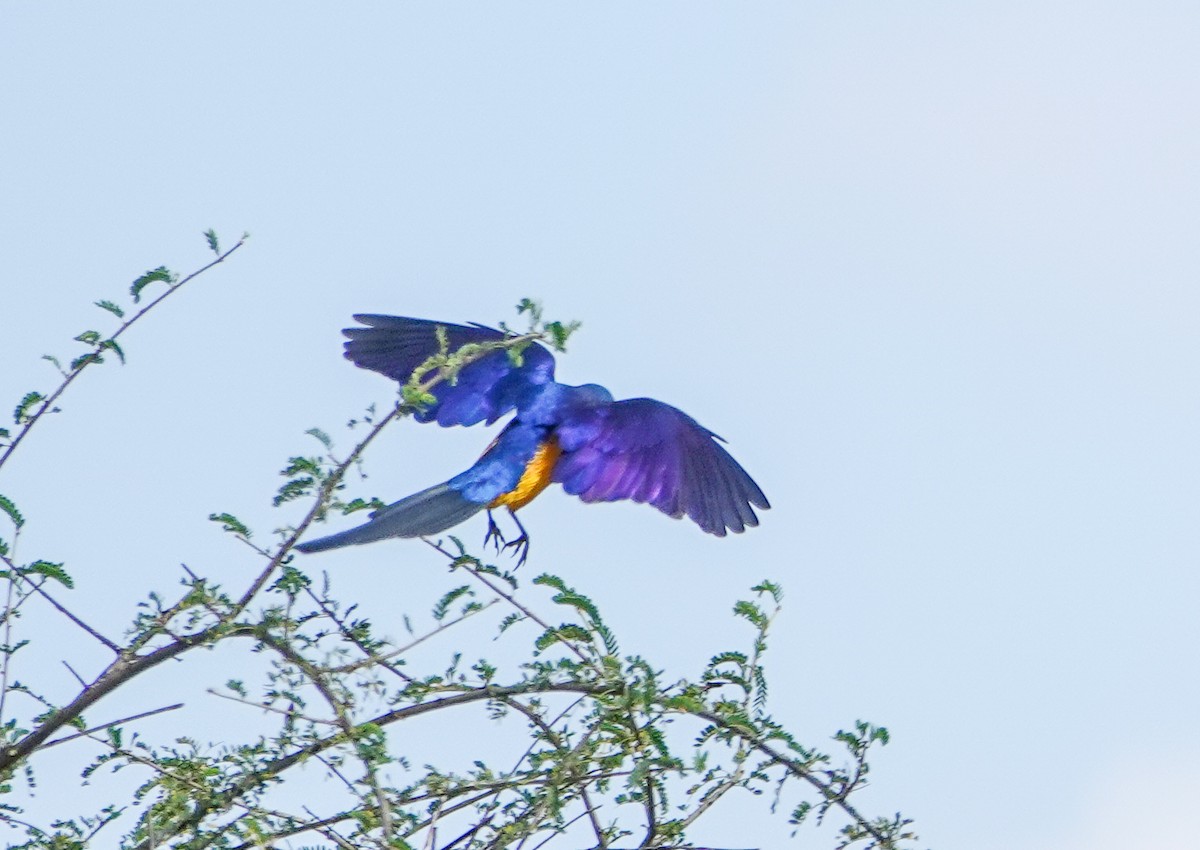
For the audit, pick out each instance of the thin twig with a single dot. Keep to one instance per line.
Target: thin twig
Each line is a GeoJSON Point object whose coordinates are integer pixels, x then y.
{"type": "Point", "coordinates": [348, 633]}
{"type": "Point", "coordinates": [556, 833]}
{"type": "Point", "coordinates": [508, 597]}
{"type": "Point", "coordinates": [400, 650]}
{"type": "Point", "coordinates": [82, 682]}
{"type": "Point", "coordinates": [13, 578]}
{"type": "Point", "coordinates": [104, 726]}
{"type": "Point", "coordinates": [74, 619]}
{"type": "Point", "coordinates": [797, 769]}
{"type": "Point", "coordinates": [297, 756]}
{"type": "Point", "coordinates": [284, 711]}
{"type": "Point", "coordinates": [48, 403]}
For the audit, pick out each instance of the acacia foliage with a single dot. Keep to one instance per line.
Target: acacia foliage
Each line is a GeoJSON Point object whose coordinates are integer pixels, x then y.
{"type": "Point", "coordinates": [610, 753]}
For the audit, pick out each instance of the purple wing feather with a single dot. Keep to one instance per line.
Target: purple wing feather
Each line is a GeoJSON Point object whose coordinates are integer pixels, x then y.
{"type": "Point", "coordinates": [650, 452]}
{"type": "Point", "coordinates": [485, 390]}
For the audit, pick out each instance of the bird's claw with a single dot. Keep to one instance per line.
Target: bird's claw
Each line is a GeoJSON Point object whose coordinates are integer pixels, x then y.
{"type": "Point", "coordinates": [522, 545]}
{"type": "Point", "coordinates": [493, 534]}
{"type": "Point", "coordinates": [496, 537]}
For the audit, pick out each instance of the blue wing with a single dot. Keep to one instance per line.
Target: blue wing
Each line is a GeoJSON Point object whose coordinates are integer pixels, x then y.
{"type": "Point", "coordinates": [648, 451]}
{"type": "Point", "coordinates": [485, 390]}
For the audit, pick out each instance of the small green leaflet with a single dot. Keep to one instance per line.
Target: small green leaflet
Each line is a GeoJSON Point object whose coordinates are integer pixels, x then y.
{"type": "Point", "coordinates": [111, 307]}
{"type": "Point", "coordinates": [111, 344]}
{"type": "Point", "coordinates": [294, 489]}
{"type": "Point", "coordinates": [80, 362]}
{"type": "Point", "coordinates": [320, 435]}
{"type": "Point", "coordinates": [6, 505]}
{"type": "Point", "coordinates": [231, 523]}
{"type": "Point", "coordinates": [291, 581]}
{"type": "Point", "coordinates": [560, 332]}
{"type": "Point", "coordinates": [565, 633]}
{"type": "Point", "coordinates": [21, 414]}
{"type": "Point", "coordinates": [442, 608]}
{"type": "Point", "coordinates": [160, 274]}
{"type": "Point", "coordinates": [210, 236]}
{"type": "Point", "coordinates": [50, 570]}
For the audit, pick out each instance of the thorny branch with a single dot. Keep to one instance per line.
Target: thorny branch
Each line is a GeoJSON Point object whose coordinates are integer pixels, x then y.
{"type": "Point", "coordinates": [611, 732]}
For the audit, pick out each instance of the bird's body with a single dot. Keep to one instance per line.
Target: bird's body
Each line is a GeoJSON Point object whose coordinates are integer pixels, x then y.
{"type": "Point", "coordinates": [536, 477]}
{"type": "Point", "coordinates": [597, 448]}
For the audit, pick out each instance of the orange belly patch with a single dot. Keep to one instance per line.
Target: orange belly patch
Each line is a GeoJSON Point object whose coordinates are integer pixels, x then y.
{"type": "Point", "coordinates": [534, 479]}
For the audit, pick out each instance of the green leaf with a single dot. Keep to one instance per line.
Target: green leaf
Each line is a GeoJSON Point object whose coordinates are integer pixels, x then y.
{"type": "Point", "coordinates": [415, 397]}
{"type": "Point", "coordinates": [610, 640]}
{"type": "Point", "coordinates": [800, 813]}
{"type": "Point", "coordinates": [549, 580]}
{"type": "Point", "coordinates": [80, 362]}
{"type": "Point", "coordinates": [50, 570]}
{"type": "Point", "coordinates": [112, 308]}
{"type": "Point", "coordinates": [291, 581]}
{"type": "Point", "coordinates": [231, 524]}
{"type": "Point", "coordinates": [322, 436]}
{"type": "Point", "coordinates": [730, 657]}
{"type": "Point", "coordinates": [443, 605]}
{"type": "Point", "coordinates": [684, 702]}
{"type": "Point", "coordinates": [294, 489]}
{"type": "Point", "coordinates": [532, 307]}
{"type": "Point", "coordinates": [565, 633]}
{"type": "Point", "coordinates": [516, 355]}
{"type": "Point", "coordinates": [6, 505]}
{"type": "Point", "coordinates": [767, 586]}
{"type": "Point", "coordinates": [111, 345]}
{"type": "Point", "coordinates": [89, 337]}
{"type": "Point", "coordinates": [210, 236]}
{"type": "Point", "coordinates": [760, 689]}
{"type": "Point", "coordinates": [21, 414]}
{"type": "Point", "coordinates": [297, 465]}
{"type": "Point", "coordinates": [159, 275]}
{"type": "Point", "coordinates": [54, 360]}
{"type": "Point", "coordinates": [751, 612]}
{"type": "Point", "coordinates": [560, 333]}
{"type": "Point", "coordinates": [356, 505]}
{"type": "Point", "coordinates": [580, 603]}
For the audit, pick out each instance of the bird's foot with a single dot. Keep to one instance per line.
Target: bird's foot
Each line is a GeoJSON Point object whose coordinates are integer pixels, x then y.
{"type": "Point", "coordinates": [493, 534]}
{"type": "Point", "coordinates": [521, 544]}
{"type": "Point", "coordinates": [495, 537]}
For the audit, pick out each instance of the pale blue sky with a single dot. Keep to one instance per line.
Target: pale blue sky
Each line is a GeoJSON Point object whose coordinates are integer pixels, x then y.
{"type": "Point", "coordinates": [931, 268]}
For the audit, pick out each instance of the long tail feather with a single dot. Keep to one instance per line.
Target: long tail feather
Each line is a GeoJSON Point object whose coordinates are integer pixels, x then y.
{"type": "Point", "coordinates": [421, 514]}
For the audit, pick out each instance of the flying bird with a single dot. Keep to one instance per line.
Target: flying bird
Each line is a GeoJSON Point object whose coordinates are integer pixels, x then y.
{"type": "Point", "coordinates": [598, 449]}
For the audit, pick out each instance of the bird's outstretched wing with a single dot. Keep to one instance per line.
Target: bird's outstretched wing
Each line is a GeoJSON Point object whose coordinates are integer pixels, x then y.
{"type": "Point", "coordinates": [484, 391]}
{"type": "Point", "coordinates": [648, 451]}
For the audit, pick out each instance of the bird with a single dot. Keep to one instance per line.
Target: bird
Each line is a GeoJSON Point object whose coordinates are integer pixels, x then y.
{"type": "Point", "coordinates": [598, 448]}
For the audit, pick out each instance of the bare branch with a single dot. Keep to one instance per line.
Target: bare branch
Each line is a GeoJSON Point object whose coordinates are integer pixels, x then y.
{"type": "Point", "coordinates": [86, 732]}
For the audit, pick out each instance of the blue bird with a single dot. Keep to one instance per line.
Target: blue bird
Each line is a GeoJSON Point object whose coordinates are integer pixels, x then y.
{"type": "Point", "coordinates": [598, 449]}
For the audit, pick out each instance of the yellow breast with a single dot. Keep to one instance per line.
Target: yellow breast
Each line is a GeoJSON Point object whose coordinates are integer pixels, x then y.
{"type": "Point", "coordinates": [534, 479]}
